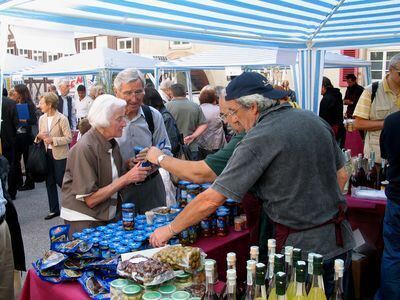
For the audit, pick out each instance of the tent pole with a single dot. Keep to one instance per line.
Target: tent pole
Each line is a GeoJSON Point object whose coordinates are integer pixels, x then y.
{"type": "Point", "coordinates": [189, 85]}
{"type": "Point", "coordinates": [3, 51]}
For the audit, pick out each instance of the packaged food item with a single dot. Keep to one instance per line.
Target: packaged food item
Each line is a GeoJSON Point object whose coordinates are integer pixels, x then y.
{"type": "Point", "coordinates": [192, 191]}
{"type": "Point", "coordinates": [222, 225]}
{"type": "Point", "coordinates": [66, 247]}
{"type": "Point", "coordinates": [244, 218]}
{"type": "Point", "coordinates": [206, 227]}
{"type": "Point", "coordinates": [182, 193]}
{"type": "Point", "coordinates": [104, 249]}
{"type": "Point", "coordinates": [196, 290]}
{"type": "Point", "coordinates": [59, 233]}
{"type": "Point", "coordinates": [151, 296]}
{"type": "Point", "coordinates": [179, 257]}
{"type": "Point", "coordinates": [132, 292]}
{"type": "Point", "coordinates": [128, 215]}
{"type": "Point", "coordinates": [238, 224]}
{"type": "Point", "coordinates": [181, 295]}
{"type": "Point", "coordinates": [51, 259]}
{"type": "Point", "coordinates": [146, 271]}
{"type": "Point", "coordinates": [150, 217]}
{"type": "Point", "coordinates": [69, 275]}
{"type": "Point", "coordinates": [116, 287]}
{"type": "Point", "coordinates": [199, 276]}
{"type": "Point", "coordinates": [105, 264]}
{"type": "Point", "coordinates": [167, 290]}
{"type": "Point", "coordinates": [50, 275]}
{"type": "Point", "coordinates": [73, 263]}
{"type": "Point", "coordinates": [93, 286]}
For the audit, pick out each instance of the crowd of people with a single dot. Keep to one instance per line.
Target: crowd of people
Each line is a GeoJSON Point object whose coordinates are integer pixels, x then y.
{"type": "Point", "coordinates": [130, 150]}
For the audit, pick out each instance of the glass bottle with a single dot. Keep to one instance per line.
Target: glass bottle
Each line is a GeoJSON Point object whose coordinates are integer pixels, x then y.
{"type": "Point", "coordinates": [338, 293]}
{"type": "Point", "coordinates": [310, 276]}
{"type": "Point", "coordinates": [382, 174]}
{"type": "Point", "coordinates": [279, 266]}
{"type": "Point", "coordinates": [349, 170]}
{"type": "Point", "coordinates": [230, 292]}
{"type": "Point", "coordinates": [288, 262]}
{"type": "Point", "coordinates": [270, 271]}
{"type": "Point", "coordinates": [210, 293]}
{"type": "Point", "coordinates": [372, 175]}
{"type": "Point", "coordinates": [281, 286]}
{"type": "Point", "coordinates": [360, 174]}
{"type": "Point", "coordinates": [353, 178]}
{"type": "Point", "coordinates": [261, 292]}
{"type": "Point", "coordinates": [249, 295]}
{"type": "Point", "coordinates": [271, 247]}
{"type": "Point", "coordinates": [231, 261]}
{"type": "Point", "coordinates": [317, 291]}
{"type": "Point", "coordinates": [300, 288]}
{"type": "Point", "coordinates": [254, 252]}
{"type": "Point", "coordinates": [292, 282]}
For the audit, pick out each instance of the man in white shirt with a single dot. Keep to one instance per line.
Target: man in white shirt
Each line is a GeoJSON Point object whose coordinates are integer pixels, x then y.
{"type": "Point", "coordinates": [82, 103]}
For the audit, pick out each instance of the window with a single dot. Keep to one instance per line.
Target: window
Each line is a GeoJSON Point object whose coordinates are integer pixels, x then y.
{"type": "Point", "coordinates": [86, 45]}
{"type": "Point", "coordinates": [10, 50]}
{"type": "Point", "coordinates": [345, 71]}
{"type": "Point", "coordinates": [23, 52]}
{"type": "Point", "coordinates": [179, 45]}
{"type": "Point", "coordinates": [380, 63]}
{"type": "Point", "coordinates": [37, 55]}
{"type": "Point", "coordinates": [51, 57]}
{"type": "Point", "coordinates": [125, 44]}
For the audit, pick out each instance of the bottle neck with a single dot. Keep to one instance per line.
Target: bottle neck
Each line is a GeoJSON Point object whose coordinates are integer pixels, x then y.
{"type": "Point", "coordinates": [300, 289]}
{"type": "Point", "coordinates": [338, 284]}
{"type": "Point", "coordinates": [231, 287]}
{"type": "Point", "coordinates": [250, 278]}
{"type": "Point", "coordinates": [210, 281]}
{"type": "Point", "coordinates": [318, 282]}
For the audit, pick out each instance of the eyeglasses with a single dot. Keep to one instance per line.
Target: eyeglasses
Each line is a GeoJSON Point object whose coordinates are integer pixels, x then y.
{"type": "Point", "coordinates": [228, 114]}
{"type": "Point", "coordinates": [137, 93]}
{"type": "Point", "coordinates": [122, 119]}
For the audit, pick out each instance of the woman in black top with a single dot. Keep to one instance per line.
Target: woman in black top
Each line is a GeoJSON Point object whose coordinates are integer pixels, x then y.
{"type": "Point", "coordinates": [24, 135]}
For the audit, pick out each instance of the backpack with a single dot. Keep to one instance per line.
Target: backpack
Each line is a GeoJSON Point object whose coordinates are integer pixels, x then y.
{"type": "Point", "coordinates": [175, 137]}
{"type": "Point", "coordinates": [149, 119]}
{"type": "Point", "coordinates": [375, 86]}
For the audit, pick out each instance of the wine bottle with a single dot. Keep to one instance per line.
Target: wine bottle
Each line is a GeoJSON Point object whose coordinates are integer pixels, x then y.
{"type": "Point", "coordinates": [271, 247]}
{"type": "Point", "coordinates": [288, 262]}
{"type": "Point", "coordinates": [338, 293]}
{"type": "Point", "coordinates": [361, 181]}
{"type": "Point", "coordinates": [260, 292]}
{"type": "Point", "coordinates": [317, 291]}
{"type": "Point", "coordinates": [209, 269]}
{"type": "Point", "coordinates": [349, 171]}
{"type": "Point", "coordinates": [281, 286]}
{"type": "Point", "coordinates": [230, 292]}
{"type": "Point", "coordinates": [279, 266]}
{"type": "Point", "coordinates": [249, 295]}
{"type": "Point", "coordinates": [292, 282]}
{"type": "Point", "coordinates": [382, 174]}
{"type": "Point", "coordinates": [372, 174]}
{"type": "Point", "coordinates": [300, 289]}
{"type": "Point", "coordinates": [231, 261]}
{"type": "Point", "coordinates": [310, 276]}
{"type": "Point", "coordinates": [254, 252]}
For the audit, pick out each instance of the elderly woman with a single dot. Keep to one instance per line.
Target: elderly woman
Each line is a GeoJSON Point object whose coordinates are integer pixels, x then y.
{"type": "Point", "coordinates": [96, 91]}
{"type": "Point", "coordinates": [213, 138]}
{"type": "Point", "coordinates": [56, 134]}
{"type": "Point", "coordinates": [93, 175]}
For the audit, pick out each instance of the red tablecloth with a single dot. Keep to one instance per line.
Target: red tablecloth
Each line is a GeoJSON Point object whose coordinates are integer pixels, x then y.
{"type": "Point", "coordinates": [216, 248]}
{"type": "Point", "coordinates": [367, 216]}
{"type": "Point", "coordinates": [354, 142]}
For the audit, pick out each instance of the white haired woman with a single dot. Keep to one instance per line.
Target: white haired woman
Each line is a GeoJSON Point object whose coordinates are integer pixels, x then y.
{"type": "Point", "coordinates": [93, 174]}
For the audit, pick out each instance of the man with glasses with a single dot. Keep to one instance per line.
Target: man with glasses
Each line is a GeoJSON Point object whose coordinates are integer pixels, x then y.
{"type": "Point", "coordinates": [145, 128]}
{"type": "Point", "coordinates": [375, 104]}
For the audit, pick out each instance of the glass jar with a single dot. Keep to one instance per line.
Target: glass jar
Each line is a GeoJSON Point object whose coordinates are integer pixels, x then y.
{"type": "Point", "coordinates": [184, 237]}
{"type": "Point", "coordinates": [192, 191]}
{"type": "Point", "coordinates": [181, 295]}
{"type": "Point", "coordinates": [182, 193]}
{"type": "Point", "coordinates": [132, 292]}
{"type": "Point", "coordinates": [239, 226]}
{"type": "Point", "coordinates": [166, 291]}
{"type": "Point", "coordinates": [151, 296]}
{"type": "Point", "coordinates": [206, 227]}
{"type": "Point", "coordinates": [233, 210]}
{"type": "Point", "coordinates": [222, 225]}
{"type": "Point", "coordinates": [116, 287]}
{"type": "Point", "coordinates": [104, 249]}
{"type": "Point", "coordinates": [183, 280]}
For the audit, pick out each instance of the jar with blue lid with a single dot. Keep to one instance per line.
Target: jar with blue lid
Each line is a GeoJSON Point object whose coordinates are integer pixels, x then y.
{"type": "Point", "coordinates": [174, 240]}
{"type": "Point", "coordinates": [135, 246]}
{"type": "Point", "coordinates": [149, 228]}
{"type": "Point", "coordinates": [96, 234]}
{"type": "Point", "coordinates": [95, 248]}
{"type": "Point", "coordinates": [88, 231]}
{"type": "Point", "coordinates": [77, 235]}
{"type": "Point", "coordinates": [184, 237]}
{"type": "Point", "coordinates": [181, 194]}
{"type": "Point", "coordinates": [205, 186]}
{"type": "Point", "coordinates": [138, 232]}
{"type": "Point", "coordinates": [233, 210]}
{"type": "Point", "coordinates": [104, 249]}
{"type": "Point", "coordinates": [112, 225]}
{"type": "Point", "coordinates": [122, 250]}
{"type": "Point", "coordinates": [101, 228]}
{"type": "Point", "coordinates": [140, 218]}
{"type": "Point", "coordinates": [222, 223]}
{"type": "Point", "coordinates": [192, 191]}
{"type": "Point", "coordinates": [116, 239]}
{"type": "Point", "coordinates": [119, 233]}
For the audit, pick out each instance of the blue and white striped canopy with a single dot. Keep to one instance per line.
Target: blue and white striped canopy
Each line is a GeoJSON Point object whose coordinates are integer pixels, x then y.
{"type": "Point", "coordinates": [296, 24]}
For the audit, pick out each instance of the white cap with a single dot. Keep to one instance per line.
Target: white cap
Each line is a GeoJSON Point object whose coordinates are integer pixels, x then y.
{"type": "Point", "coordinates": [260, 265]}
{"type": "Point", "coordinates": [339, 265]}
{"type": "Point", "coordinates": [251, 262]}
{"type": "Point", "coordinates": [231, 274]}
{"type": "Point", "coordinates": [271, 243]}
{"type": "Point", "coordinates": [209, 265]}
{"type": "Point", "coordinates": [288, 253]}
{"type": "Point", "coordinates": [279, 255]}
{"type": "Point", "coordinates": [254, 250]}
{"type": "Point", "coordinates": [301, 262]}
{"type": "Point", "coordinates": [311, 257]}
{"type": "Point", "coordinates": [231, 256]}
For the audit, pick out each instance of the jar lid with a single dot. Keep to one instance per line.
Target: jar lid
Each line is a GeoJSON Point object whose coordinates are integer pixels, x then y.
{"type": "Point", "coordinates": [181, 295]}
{"type": "Point", "coordinates": [182, 275]}
{"type": "Point", "coordinates": [184, 182]}
{"type": "Point", "coordinates": [151, 296]}
{"type": "Point", "coordinates": [119, 283]}
{"type": "Point", "coordinates": [131, 289]}
{"type": "Point", "coordinates": [128, 205]}
{"type": "Point", "coordinates": [167, 289]}
{"type": "Point", "coordinates": [192, 186]}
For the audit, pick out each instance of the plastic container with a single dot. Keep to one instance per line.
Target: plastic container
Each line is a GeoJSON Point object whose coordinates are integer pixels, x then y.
{"type": "Point", "coordinates": [132, 292]}
{"type": "Point", "coordinates": [166, 291]}
{"type": "Point", "coordinates": [183, 280]}
{"type": "Point", "coordinates": [181, 295]}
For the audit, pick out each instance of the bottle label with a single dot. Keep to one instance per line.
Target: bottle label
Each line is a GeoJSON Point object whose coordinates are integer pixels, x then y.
{"type": "Point", "coordinates": [205, 224]}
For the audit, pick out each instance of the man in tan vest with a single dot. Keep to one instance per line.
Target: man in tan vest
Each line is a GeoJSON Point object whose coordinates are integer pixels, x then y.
{"type": "Point", "coordinates": [371, 111]}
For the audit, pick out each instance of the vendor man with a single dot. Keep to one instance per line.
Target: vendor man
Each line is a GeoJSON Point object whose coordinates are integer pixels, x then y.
{"type": "Point", "coordinates": [293, 173]}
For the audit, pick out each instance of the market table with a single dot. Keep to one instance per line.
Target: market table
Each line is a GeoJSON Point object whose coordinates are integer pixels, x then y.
{"type": "Point", "coordinates": [216, 248]}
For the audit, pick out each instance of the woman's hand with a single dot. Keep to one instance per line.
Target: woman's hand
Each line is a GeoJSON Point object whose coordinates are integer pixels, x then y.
{"type": "Point", "coordinates": [137, 174]}
{"type": "Point", "coordinates": [48, 140]}
{"type": "Point", "coordinates": [42, 135]}
{"type": "Point", "coordinates": [160, 236]}
{"type": "Point", "coordinates": [152, 154]}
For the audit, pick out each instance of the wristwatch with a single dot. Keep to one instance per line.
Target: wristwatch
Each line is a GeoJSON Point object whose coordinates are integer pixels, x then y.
{"type": "Point", "coordinates": [160, 159]}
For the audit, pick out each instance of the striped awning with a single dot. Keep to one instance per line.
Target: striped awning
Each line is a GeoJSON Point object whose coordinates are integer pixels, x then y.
{"type": "Point", "coordinates": [296, 24]}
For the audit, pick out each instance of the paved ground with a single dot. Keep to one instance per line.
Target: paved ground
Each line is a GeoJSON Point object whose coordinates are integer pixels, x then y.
{"type": "Point", "coordinates": [32, 206]}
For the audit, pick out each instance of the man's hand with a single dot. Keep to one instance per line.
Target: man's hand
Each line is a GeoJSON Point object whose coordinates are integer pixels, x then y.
{"type": "Point", "coordinates": [141, 156]}
{"type": "Point", "coordinates": [130, 163]}
{"type": "Point", "coordinates": [160, 236]}
{"type": "Point", "coordinates": [136, 174]}
{"type": "Point", "coordinates": [152, 154]}
{"type": "Point", "coordinates": [188, 139]}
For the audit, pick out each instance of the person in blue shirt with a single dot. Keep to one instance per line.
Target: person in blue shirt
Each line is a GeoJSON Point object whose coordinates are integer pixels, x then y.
{"type": "Point", "coordinates": [390, 266]}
